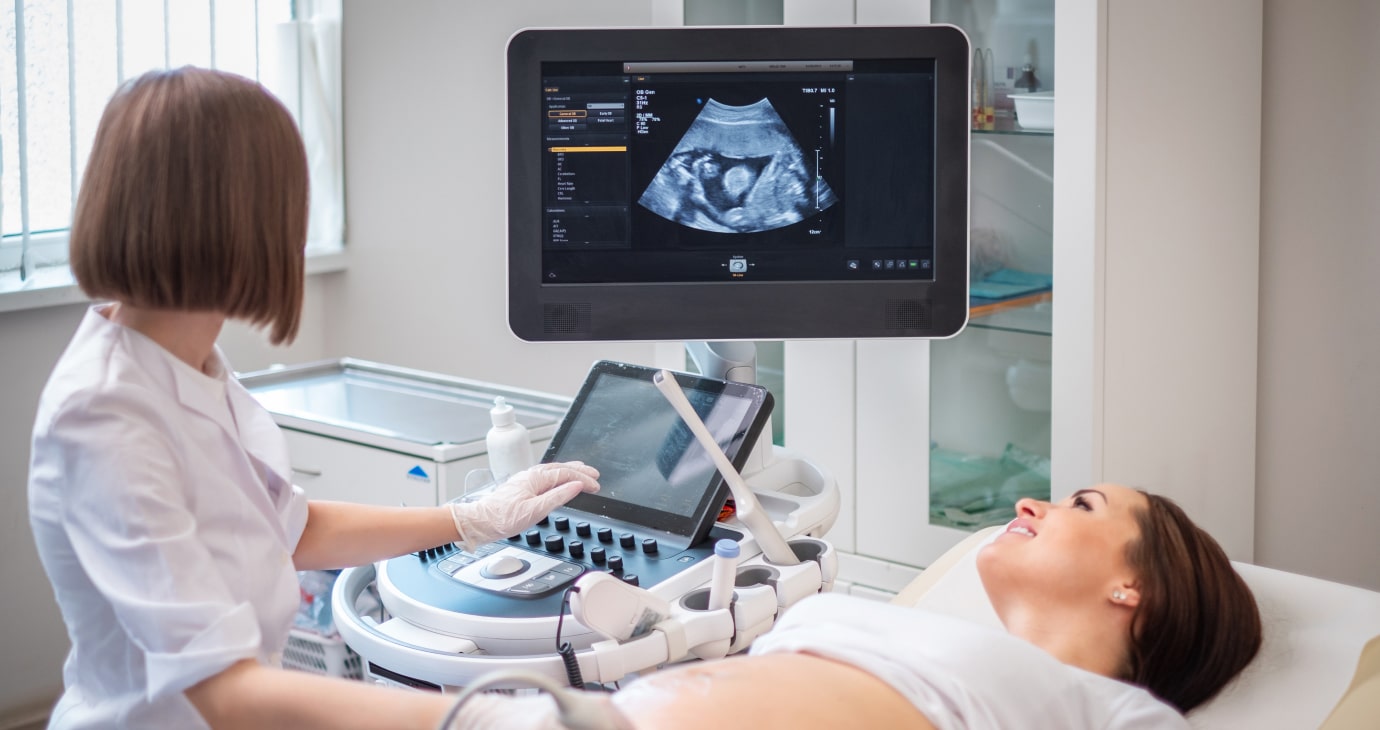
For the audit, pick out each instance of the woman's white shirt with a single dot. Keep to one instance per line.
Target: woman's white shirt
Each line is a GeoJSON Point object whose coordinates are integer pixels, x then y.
{"type": "Point", "coordinates": [161, 502]}
{"type": "Point", "coordinates": [960, 674]}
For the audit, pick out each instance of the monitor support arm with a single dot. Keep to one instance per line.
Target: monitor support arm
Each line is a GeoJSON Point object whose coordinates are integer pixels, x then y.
{"type": "Point", "coordinates": [736, 361]}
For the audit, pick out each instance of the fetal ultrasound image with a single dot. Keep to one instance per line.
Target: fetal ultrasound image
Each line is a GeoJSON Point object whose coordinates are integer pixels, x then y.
{"type": "Point", "coordinates": [737, 169]}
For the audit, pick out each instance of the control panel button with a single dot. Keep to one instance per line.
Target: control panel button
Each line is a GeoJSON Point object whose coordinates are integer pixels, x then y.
{"type": "Point", "coordinates": [605, 534]}
{"type": "Point", "coordinates": [562, 523]}
{"type": "Point", "coordinates": [570, 569]}
{"type": "Point", "coordinates": [577, 549]}
{"type": "Point", "coordinates": [649, 546]}
{"type": "Point", "coordinates": [534, 537]}
{"type": "Point", "coordinates": [615, 562]}
{"type": "Point", "coordinates": [582, 529]}
{"type": "Point", "coordinates": [630, 578]}
{"type": "Point", "coordinates": [552, 578]}
{"type": "Point", "coordinates": [627, 540]}
{"type": "Point", "coordinates": [597, 555]}
{"type": "Point", "coordinates": [554, 543]}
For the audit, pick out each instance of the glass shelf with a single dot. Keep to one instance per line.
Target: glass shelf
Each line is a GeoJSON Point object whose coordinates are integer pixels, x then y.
{"type": "Point", "coordinates": [1030, 315]}
{"type": "Point", "coordinates": [1009, 126]}
{"type": "Point", "coordinates": [991, 385]}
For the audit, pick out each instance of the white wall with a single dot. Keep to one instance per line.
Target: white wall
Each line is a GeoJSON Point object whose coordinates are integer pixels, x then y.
{"type": "Point", "coordinates": [425, 151]}
{"type": "Point", "coordinates": [33, 640]}
{"type": "Point", "coordinates": [1182, 193]}
{"type": "Point", "coordinates": [1318, 498]}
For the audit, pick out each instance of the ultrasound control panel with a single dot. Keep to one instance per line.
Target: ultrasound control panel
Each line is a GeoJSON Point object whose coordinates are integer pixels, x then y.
{"type": "Point", "coordinates": [526, 575]}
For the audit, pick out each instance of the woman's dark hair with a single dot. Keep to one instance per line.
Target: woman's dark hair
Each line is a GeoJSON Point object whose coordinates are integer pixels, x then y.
{"type": "Point", "coordinates": [195, 198]}
{"type": "Point", "coordinates": [1197, 624]}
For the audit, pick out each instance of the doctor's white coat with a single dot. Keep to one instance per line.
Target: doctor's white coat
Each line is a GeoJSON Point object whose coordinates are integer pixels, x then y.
{"type": "Point", "coordinates": [161, 504]}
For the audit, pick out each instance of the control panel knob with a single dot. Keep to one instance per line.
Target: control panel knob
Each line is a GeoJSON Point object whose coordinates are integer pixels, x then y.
{"type": "Point", "coordinates": [515, 538]}
{"type": "Point", "coordinates": [627, 540]}
{"type": "Point", "coordinates": [534, 537]}
{"type": "Point", "coordinates": [605, 534]}
{"type": "Point", "coordinates": [597, 555]}
{"type": "Point", "coordinates": [577, 549]}
{"type": "Point", "coordinates": [582, 529]}
{"type": "Point", "coordinates": [630, 578]}
{"type": "Point", "coordinates": [554, 543]}
{"type": "Point", "coordinates": [615, 562]}
{"type": "Point", "coordinates": [649, 546]}
{"type": "Point", "coordinates": [544, 521]}
{"type": "Point", "coordinates": [562, 523]}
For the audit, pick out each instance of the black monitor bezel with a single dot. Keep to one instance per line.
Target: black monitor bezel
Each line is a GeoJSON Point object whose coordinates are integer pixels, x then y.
{"type": "Point", "coordinates": [692, 527]}
{"type": "Point", "coordinates": [737, 310]}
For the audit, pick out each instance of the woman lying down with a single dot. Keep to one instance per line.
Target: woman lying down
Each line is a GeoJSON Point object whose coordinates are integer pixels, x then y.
{"type": "Point", "coordinates": [1119, 613]}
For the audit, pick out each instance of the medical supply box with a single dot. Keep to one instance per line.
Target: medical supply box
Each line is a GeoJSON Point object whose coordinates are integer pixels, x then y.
{"type": "Point", "coordinates": [359, 431]}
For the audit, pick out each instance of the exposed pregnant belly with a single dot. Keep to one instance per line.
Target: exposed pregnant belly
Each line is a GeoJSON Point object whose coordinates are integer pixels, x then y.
{"type": "Point", "coordinates": [772, 690]}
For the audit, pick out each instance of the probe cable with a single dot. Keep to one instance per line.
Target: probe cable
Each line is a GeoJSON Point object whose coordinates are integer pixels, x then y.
{"type": "Point", "coordinates": [567, 652]}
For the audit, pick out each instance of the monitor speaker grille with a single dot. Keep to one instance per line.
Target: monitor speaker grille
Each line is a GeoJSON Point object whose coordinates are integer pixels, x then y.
{"type": "Point", "coordinates": [907, 314]}
{"type": "Point", "coordinates": [566, 319]}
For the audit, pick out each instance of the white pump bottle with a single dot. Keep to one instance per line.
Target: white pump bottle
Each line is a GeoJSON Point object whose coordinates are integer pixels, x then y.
{"type": "Point", "coordinates": [510, 447]}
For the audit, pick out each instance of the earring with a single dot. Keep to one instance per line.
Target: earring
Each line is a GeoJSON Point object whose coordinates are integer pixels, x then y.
{"type": "Point", "coordinates": [1118, 595]}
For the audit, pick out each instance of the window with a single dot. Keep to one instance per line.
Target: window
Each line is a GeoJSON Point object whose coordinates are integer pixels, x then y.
{"type": "Point", "coordinates": [60, 60]}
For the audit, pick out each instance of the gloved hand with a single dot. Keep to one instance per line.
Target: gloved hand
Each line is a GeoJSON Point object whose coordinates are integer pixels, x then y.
{"type": "Point", "coordinates": [522, 500]}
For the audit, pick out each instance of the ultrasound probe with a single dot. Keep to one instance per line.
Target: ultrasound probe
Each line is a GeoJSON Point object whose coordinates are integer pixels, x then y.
{"type": "Point", "coordinates": [749, 510]}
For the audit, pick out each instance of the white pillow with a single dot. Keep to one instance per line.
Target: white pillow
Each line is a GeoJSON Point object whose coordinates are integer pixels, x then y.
{"type": "Point", "coordinates": [1314, 632]}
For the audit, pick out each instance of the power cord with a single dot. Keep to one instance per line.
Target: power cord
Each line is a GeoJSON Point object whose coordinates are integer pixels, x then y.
{"type": "Point", "coordinates": [577, 710]}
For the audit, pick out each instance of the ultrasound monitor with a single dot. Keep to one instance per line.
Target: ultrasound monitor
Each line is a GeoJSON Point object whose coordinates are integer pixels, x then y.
{"type": "Point", "coordinates": [737, 183]}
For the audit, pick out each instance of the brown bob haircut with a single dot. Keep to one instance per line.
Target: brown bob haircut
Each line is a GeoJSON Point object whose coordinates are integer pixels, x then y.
{"type": "Point", "coordinates": [195, 199]}
{"type": "Point", "coordinates": [1197, 624]}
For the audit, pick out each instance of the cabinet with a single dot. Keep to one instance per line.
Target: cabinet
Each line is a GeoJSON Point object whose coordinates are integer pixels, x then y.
{"type": "Point", "coordinates": [990, 386]}
{"type": "Point", "coordinates": [1155, 251]}
{"type": "Point", "coordinates": [363, 432]}
{"type": "Point", "coordinates": [936, 438]}
{"type": "Point", "coordinates": [1152, 347]}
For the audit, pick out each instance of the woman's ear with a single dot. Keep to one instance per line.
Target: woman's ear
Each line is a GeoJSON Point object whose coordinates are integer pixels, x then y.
{"type": "Point", "coordinates": [1127, 594]}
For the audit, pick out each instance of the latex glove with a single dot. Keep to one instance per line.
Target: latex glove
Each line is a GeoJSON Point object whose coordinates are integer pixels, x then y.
{"type": "Point", "coordinates": [522, 500]}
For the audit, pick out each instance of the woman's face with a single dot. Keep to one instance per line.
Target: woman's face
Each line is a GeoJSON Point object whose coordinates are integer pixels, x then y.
{"type": "Point", "coordinates": [1067, 553]}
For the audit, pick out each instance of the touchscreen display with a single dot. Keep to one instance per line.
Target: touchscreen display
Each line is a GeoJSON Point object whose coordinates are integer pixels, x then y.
{"type": "Point", "coordinates": [653, 472]}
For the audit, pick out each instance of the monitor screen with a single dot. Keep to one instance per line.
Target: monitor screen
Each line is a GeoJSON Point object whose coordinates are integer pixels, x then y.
{"type": "Point", "coordinates": [738, 183]}
{"type": "Point", "coordinates": [652, 470]}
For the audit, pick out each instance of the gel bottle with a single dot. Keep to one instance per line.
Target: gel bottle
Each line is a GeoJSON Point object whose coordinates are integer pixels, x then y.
{"type": "Point", "coordinates": [510, 448]}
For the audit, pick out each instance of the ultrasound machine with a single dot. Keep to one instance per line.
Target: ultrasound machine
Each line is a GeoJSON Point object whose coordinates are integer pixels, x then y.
{"type": "Point", "coordinates": [714, 185]}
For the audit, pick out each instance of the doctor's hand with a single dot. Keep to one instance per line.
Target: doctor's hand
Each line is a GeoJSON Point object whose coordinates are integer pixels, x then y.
{"type": "Point", "coordinates": [522, 500]}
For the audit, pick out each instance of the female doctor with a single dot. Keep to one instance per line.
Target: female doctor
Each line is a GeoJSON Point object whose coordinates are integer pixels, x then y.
{"type": "Point", "coordinates": [159, 489]}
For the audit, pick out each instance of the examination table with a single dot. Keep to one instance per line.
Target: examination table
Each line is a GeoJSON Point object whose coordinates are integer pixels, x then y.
{"type": "Point", "coordinates": [1319, 665]}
